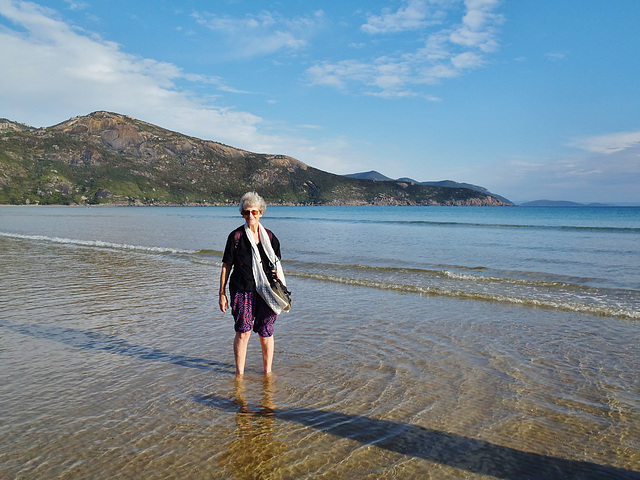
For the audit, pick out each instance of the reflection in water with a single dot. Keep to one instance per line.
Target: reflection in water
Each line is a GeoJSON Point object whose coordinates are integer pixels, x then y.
{"type": "Point", "coordinates": [254, 453]}
{"type": "Point", "coordinates": [465, 453]}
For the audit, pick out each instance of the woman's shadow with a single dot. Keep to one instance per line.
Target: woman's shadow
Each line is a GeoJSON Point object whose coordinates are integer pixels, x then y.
{"type": "Point", "coordinates": [256, 446]}
{"type": "Point", "coordinates": [254, 452]}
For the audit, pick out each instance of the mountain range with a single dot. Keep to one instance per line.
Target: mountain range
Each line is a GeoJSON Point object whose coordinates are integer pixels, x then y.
{"type": "Point", "coordinates": [109, 158]}
{"type": "Point", "coordinates": [378, 177]}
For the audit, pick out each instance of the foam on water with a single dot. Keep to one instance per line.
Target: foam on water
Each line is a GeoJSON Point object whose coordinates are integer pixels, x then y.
{"type": "Point", "coordinates": [95, 243]}
{"type": "Point", "coordinates": [529, 292]}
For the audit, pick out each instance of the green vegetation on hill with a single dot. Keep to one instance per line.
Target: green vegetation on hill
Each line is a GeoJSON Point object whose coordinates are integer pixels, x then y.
{"type": "Point", "coordinates": [107, 158]}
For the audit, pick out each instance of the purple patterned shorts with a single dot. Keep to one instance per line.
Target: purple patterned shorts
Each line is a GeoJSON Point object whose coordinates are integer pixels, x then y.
{"type": "Point", "coordinates": [250, 311]}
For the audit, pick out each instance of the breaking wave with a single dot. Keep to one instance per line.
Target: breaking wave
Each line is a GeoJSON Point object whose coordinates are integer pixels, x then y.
{"type": "Point", "coordinates": [561, 293]}
{"type": "Point", "coordinates": [96, 243]}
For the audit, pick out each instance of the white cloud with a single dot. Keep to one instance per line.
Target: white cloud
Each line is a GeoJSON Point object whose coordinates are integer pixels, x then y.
{"type": "Point", "coordinates": [337, 74]}
{"type": "Point", "coordinates": [74, 5]}
{"type": "Point", "coordinates": [261, 34]}
{"type": "Point", "coordinates": [449, 51]}
{"type": "Point", "coordinates": [414, 15]}
{"type": "Point", "coordinates": [582, 177]}
{"type": "Point", "coordinates": [478, 28]}
{"type": "Point", "coordinates": [466, 60]}
{"type": "Point", "coordinates": [556, 56]}
{"type": "Point", "coordinates": [55, 72]}
{"type": "Point", "coordinates": [610, 143]}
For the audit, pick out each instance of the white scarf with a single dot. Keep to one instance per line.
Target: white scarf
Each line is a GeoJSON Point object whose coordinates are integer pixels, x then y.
{"type": "Point", "coordinates": [263, 288]}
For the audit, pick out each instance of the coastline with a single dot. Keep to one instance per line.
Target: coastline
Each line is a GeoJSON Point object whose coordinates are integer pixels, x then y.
{"type": "Point", "coordinates": [466, 203]}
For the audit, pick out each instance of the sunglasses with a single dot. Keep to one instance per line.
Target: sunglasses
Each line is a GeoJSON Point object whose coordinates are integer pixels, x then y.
{"type": "Point", "coordinates": [245, 213]}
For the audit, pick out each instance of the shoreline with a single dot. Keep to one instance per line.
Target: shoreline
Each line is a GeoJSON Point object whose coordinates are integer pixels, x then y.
{"type": "Point", "coordinates": [308, 205]}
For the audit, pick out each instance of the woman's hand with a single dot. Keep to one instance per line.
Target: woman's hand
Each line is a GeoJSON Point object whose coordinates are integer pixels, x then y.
{"type": "Point", "coordinates": [223, 302]}
{"type": "Point", "coordinates": [222, 297]}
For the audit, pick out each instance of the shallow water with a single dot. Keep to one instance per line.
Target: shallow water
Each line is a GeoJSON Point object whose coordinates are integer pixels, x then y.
{"type": "Point", "coordinates": [115, 362]}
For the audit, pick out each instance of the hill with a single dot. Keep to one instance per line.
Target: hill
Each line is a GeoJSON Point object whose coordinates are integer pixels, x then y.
{"type": "Point", "coordinates": [560, 203]}
{"type": "Point", "coordinates": [115, 159]}
{"type": "Point", "coordinates": [378, 177]}
{"type": "Point", "coordinates": [550, 203]}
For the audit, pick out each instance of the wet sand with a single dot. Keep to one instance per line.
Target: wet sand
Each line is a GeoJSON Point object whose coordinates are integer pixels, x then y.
{"type": "Point", "coordinates": [118, 364]}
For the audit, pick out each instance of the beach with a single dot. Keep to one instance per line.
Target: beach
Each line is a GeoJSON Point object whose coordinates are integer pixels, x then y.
{"type": "Point", "coordinates": [422, 343]}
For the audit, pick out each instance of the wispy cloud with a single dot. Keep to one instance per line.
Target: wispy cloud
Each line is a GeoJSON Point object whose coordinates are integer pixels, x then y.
{"type": "Point", "coordinates": [58, 71]}
{"type": "Point", "coordinates": [415, 14]}
{"type": "Point", "coordinates": [556, 56]}
{"type": "Point", "coordinates": [449, 50]}
{"type": "Point", "coordinates": [479, 26]}
{"type": "Point", "coordinates": [607, 144]}
{"type": "Point", "coordinates": [583, 176]}
{"type": "Point", "coordinates": [75, 5]}
{"type": "Point", "coordinates": [263, 33]}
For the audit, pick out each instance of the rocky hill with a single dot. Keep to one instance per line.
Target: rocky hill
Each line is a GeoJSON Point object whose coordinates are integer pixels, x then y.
{"type": "Point", "coordinates": [561, 203]}
{"type": "Point", "coordinates": [377, 176]}
{"type": "Point", "coordinates": [114, 159]}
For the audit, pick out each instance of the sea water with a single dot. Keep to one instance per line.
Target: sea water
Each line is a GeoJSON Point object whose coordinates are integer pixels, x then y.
{"type": "Point", "coordinates": [453, 342]}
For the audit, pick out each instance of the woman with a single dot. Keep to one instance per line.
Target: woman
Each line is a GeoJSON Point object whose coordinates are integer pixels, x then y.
{"type": "Point", "coordinates": [250, 250]}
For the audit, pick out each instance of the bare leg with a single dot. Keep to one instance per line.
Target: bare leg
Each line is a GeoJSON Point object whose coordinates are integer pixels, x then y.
{"type": "Point", "coordinates": [268, 346]}
{"type": "Point", "coordinates": [240, 350]}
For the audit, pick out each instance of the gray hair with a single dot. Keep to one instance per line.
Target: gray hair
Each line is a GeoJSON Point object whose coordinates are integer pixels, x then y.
{"type": "Point", "coordinates": [254, 200]}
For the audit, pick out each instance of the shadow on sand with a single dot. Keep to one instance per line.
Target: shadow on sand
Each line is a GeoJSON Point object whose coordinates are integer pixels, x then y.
{"type": "Point", "coordinates": [88, 340]}
{"type": "Point", "coordinates": [450, 449]}
{"type": "Point", "coordinates": [477, 456]}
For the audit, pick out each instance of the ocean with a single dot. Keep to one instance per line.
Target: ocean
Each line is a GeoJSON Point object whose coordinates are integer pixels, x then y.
{"type": "Point", "coordinates": [423, 342]}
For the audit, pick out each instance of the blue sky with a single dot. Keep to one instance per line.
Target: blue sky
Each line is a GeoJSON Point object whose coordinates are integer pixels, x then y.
{"type": "Point", "coordinates": [531, 99]}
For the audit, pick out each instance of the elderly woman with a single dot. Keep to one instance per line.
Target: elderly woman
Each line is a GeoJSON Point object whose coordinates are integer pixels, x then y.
{"type": "Point", "coordinates": [251, 253]}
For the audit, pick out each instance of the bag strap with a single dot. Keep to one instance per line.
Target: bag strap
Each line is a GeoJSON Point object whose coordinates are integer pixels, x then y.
{"type": "Point", "coordinates": [238, 235]}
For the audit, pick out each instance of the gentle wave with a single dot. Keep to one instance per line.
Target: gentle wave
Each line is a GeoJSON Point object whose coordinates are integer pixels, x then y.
{"type": "Point", "coordinates": [516, 281]}
{"type": "Point", "coordinates": [97, 243]}
{"type": "Point", "coordinates": [577, 228]}
{"type": "Point", "coordinates": [489, 297]}
{"type": "Point", "coordinates": [411, 280]}
{"type": "Point", "coordinates": [510, 277]}
{"type": "Point", "coordinates": [205, 257]}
